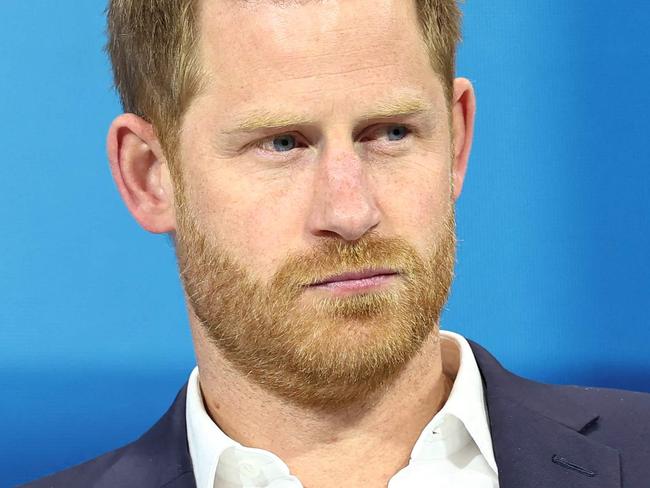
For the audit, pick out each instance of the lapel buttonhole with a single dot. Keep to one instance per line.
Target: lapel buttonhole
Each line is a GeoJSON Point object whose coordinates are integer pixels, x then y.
{"type": "Point", "coordinates": [569, 465]}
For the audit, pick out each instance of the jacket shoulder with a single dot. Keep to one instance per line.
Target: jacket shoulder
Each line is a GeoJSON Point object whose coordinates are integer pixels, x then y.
{"type": "Point", "coordinates": [610, 399]}
{"type": "Point", "coordinates": [85, 474]}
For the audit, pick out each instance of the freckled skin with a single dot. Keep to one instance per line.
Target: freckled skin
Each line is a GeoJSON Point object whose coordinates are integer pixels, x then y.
{"type": "Point", "coordinates": [263, 208]}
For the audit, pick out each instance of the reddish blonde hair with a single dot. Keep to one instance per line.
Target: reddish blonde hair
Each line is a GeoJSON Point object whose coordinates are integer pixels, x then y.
{"type": "Point", "coordinates": [152, 45]}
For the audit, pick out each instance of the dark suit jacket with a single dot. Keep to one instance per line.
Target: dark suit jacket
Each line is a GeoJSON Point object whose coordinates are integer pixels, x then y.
{"type": "Point", "coordinates": [544, 436]}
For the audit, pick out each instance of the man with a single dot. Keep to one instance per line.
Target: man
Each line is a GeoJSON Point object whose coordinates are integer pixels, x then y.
{"type": "Point", "coordinates": [306, 157]}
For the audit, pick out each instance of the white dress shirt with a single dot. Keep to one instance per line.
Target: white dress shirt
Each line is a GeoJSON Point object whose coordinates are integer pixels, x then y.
{"type": "Point", "coordinates": [454, 449]}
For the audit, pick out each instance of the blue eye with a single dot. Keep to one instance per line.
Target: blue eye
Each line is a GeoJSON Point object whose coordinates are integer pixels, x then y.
{"type": "Point", "coordinates": [284, 143]}
{"type": "Point", "coordinates": [397, 132]}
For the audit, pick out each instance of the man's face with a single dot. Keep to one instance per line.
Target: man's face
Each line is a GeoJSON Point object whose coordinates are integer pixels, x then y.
{"type": "Point", "coordinates": [321, 145]}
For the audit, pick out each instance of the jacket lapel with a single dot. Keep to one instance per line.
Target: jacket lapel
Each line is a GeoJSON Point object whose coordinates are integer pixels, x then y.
{"type": "Point", "coordinates": [540, 436]}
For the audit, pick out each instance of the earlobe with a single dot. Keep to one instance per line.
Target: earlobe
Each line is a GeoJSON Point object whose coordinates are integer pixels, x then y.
{"type": "Point", "coordinates": [463, 113]}
{"type": "Point", "coordinates": [140, 171]}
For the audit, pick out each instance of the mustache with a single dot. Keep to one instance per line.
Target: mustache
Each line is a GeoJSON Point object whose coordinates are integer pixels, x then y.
{"type": "Point", "coordinates": [370, 254]}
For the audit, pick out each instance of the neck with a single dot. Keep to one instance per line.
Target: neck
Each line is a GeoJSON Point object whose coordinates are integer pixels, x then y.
{"type": "Point", "coordinates": [361, 445]}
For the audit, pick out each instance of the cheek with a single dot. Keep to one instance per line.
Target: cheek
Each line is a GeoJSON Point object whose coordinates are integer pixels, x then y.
{"type": "Point", "coordinates": [252, 222]}
{"type": "Point", "coordinates": [253, 214]}
{"type": "Point", "coordinates": [416, 200]}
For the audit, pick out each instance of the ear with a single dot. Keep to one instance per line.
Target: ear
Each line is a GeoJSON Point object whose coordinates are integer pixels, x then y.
{"type": "Point", "coordinates": [141, 173]}
{"type": "Point", "coordinates": [463, 111]}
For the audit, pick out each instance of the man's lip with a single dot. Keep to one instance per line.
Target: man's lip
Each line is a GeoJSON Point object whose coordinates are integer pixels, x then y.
{"type": "Point", "coordinates": [356, 276]}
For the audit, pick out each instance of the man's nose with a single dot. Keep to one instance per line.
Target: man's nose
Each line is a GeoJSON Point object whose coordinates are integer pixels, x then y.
{"type": "Point", "coordinates": [343, 201]}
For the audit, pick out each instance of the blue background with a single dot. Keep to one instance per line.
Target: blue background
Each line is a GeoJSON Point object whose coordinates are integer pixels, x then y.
{"type": "Point", "coordinates": [553, 273]}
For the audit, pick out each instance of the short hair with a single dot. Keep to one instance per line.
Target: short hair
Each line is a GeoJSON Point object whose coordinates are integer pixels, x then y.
{"type": "Point", "coordinates": [152, 45]}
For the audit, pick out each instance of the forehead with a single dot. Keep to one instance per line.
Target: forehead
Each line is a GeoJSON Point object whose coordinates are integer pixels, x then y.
{"type": "Point", "coordinates": [335, 52]}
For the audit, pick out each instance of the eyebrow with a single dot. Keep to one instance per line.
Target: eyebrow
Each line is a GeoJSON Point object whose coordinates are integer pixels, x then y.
{"type": "Point", "coordinates": [263, 119]}
{"type": "Point", "coordinates": [258, 120]}
{"type": "Point", "coordinates": [398, 108]}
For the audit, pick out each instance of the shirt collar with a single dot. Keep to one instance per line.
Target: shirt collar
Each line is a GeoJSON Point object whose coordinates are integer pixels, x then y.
{"type": "Point", "coordinates": [465, 407]}
{"type": "Point", "coordinates": [205, 439]}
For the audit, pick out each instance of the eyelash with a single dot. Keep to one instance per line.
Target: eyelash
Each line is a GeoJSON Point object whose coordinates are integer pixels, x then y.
{"type": "Point", "coordinates": [269, 140]}
{"type": "Point", "coordinates": [409, 130]}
